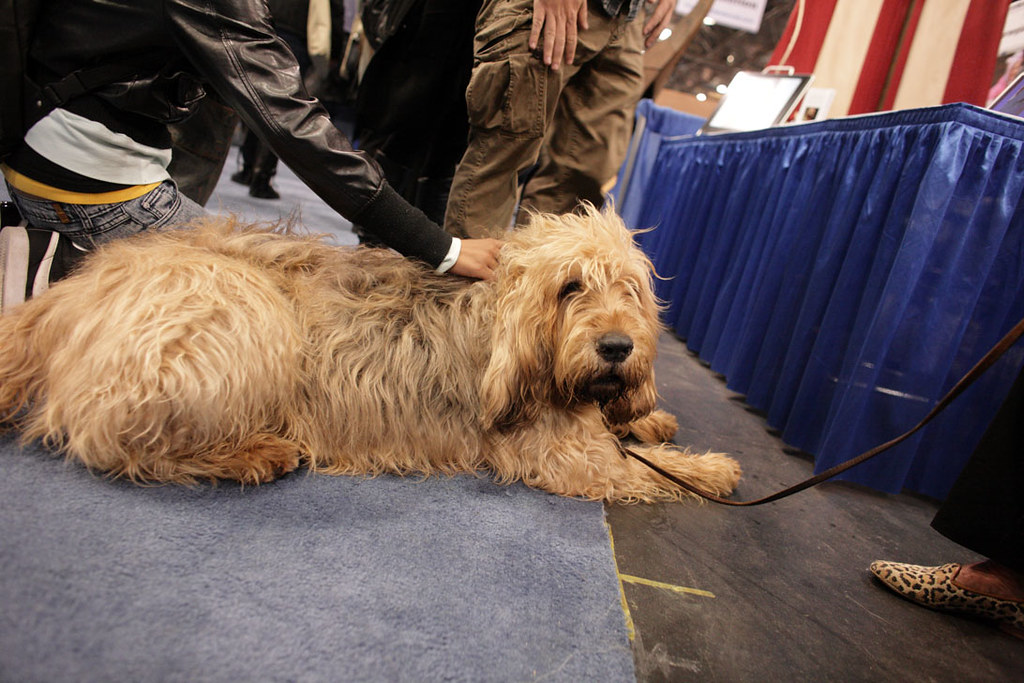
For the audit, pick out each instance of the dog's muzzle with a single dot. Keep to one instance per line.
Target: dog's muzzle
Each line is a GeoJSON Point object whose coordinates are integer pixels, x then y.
{"type": "Point", "coordinates": [613, 348]}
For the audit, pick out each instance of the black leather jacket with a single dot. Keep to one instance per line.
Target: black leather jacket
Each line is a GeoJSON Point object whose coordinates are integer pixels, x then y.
{"type": "Point", "coordinates": [184, 46]}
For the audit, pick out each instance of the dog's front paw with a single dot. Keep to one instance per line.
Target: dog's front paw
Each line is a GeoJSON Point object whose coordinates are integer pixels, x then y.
{"type": "Point", "coordinates": [720, 474]}
{"type": "Point", "coordinates": [656, 427]}
{"type": "Point", "coordinates": [713, 473]}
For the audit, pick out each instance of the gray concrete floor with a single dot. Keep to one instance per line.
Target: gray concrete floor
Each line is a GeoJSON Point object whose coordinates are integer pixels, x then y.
{"type": "Point", "coordinates": [783, 591]}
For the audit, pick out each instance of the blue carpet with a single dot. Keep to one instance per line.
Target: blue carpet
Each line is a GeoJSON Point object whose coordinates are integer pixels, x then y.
{"type": "Point", "coordinates": [310, 578]}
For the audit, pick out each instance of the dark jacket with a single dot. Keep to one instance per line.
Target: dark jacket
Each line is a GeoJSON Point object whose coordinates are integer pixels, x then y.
{"type": "Point", "coordinates": [290, 15]}
{"type": "Point", "coordinates": [184, 46]}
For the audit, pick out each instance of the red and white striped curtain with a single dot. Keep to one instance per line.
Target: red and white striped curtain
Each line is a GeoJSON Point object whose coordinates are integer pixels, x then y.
{"type": "Point", "coordinates": [880, 55]}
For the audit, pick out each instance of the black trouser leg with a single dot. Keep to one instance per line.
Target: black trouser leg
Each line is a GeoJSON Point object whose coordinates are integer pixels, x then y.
{"type": "Point", "coordinates": [985, 510]}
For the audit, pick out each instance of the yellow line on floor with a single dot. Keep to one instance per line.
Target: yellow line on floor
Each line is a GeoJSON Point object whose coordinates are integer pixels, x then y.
{"type": "Point", "coordinates": [628, 578]}
{"type": "Point", "coordinates": [665, 586]}
{"type": "Point", "coordinates": [630, 630]}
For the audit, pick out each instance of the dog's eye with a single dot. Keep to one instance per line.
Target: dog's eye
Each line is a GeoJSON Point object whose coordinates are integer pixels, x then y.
{"type": "Point", "coordinates": [569, 288]}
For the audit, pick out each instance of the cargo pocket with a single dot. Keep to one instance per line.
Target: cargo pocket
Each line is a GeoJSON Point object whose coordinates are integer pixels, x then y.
{"type": "Point", "coordinates": [486, 94]}
{"type": "Point", "coordinates": [528, 93]}
{"type": "Point", "coordinates": [509, 95]}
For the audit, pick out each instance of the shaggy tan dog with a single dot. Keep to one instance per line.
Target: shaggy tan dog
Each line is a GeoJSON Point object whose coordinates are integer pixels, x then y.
{"type": "Point", "coordinates": [233, 353]}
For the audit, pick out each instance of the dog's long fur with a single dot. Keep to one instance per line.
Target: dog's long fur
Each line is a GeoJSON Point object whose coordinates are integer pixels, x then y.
{"type": "Point", "coordinates": [235, 353]}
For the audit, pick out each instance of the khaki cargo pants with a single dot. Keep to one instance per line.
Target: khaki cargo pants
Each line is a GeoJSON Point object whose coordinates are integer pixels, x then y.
{"type": "Point", "coordinates": [576, 121]}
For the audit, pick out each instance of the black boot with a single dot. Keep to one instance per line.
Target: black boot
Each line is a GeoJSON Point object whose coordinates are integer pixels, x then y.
{"type": "Point", "coordinates": [261, 188]}
{"type": "Point", "coordinates": [243, 177]}
{"type": "Point", "coordinates": [247, 154]}
{"type": "Point", "coordinates": [264, 166]}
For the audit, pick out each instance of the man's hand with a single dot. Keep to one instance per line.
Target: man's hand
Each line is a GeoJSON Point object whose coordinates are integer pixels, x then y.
{"type": "Point", "coordinates": [659, 20]}
{"type": "Point", "coordinates": [557, 21]}
{"type": "Point", "coordinates": [477, 258]}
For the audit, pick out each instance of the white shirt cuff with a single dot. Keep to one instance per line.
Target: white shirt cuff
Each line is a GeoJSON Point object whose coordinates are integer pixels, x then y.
{"type": "Point", "coordinates": [452, 257]}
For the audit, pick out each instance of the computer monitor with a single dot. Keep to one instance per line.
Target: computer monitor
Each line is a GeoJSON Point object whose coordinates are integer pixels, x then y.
{"type": "Point", "coordinates": [756, 100]}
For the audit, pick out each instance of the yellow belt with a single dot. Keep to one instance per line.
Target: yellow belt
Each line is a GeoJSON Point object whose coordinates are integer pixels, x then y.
{"type": "Point", "coordinates": [23, 183]}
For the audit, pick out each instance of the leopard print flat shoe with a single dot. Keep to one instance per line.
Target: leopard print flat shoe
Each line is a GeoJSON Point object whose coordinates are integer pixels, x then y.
{"type": "Point", "coordinates": [936, 587]}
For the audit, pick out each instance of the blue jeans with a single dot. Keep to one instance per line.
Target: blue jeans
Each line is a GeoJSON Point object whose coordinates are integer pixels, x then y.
{"type": "Point", "coordinates": [89, 225]}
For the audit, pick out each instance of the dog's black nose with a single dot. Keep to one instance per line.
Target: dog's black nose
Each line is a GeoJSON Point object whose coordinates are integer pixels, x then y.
{"type": "Point", "coordinates": [614, 347]}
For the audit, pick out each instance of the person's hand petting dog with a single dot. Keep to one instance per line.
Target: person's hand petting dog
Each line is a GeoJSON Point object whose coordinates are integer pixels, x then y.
{"type": "Point", "coordinates": [478, 258]}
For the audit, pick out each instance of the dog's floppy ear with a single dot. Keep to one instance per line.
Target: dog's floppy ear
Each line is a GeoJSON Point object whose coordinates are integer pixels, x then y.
{"type": "Point", "coordinates": [512, 384]}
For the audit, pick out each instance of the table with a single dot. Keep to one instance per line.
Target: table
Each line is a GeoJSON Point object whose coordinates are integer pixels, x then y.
{"type": "Point", "coordinates": [842, 275]}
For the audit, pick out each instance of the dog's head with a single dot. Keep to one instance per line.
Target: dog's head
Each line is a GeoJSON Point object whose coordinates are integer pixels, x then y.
{"type": "Point", "coordinates": [576, 321]}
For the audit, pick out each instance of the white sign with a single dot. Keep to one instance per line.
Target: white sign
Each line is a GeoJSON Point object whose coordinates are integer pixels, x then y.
{"type": "Point", "coordinates": [744, 15]}
{"type": "Point", "coordinates": [815, 105]}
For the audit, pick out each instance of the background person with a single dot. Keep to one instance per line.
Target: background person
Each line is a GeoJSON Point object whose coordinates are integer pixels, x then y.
{"type": "Point", "coordinates": [411, 104]}
{"type": "Point", "coordinates": [306, 26]}
{"type": "Point", "coordinates": [554, 82]}
{"type": "Point", "coordinates": [95, 167]}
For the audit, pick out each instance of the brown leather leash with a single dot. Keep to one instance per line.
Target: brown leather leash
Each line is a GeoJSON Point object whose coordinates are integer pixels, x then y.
{"type": "Point", "coordinates": [979, 368]}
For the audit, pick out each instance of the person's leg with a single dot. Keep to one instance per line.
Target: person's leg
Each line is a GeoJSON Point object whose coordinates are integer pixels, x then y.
{"type": "Point", "coordinates": [588, 138]}
{"type": "Point", "coordinates": [247, 151]}
{"type": "Point", "coordinates": [984, 512]}
{"type": "Point", "coordinates": [263, 169]}
{"type": "Point", "coordinates": [510, 99]}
